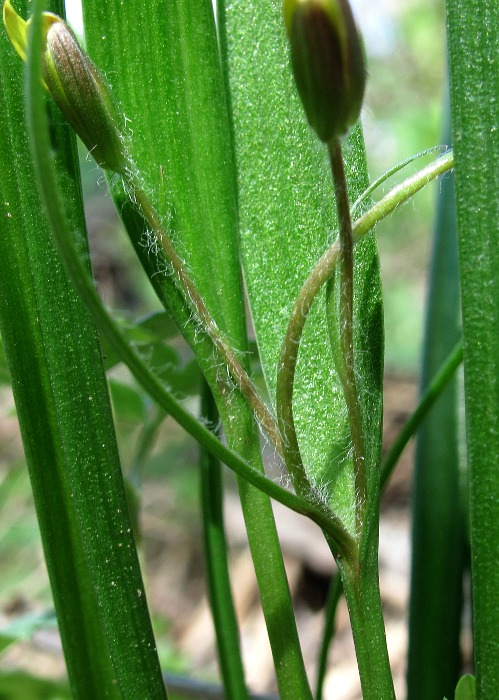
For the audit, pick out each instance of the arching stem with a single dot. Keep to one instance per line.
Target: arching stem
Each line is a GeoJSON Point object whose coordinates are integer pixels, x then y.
{"type": "Point", "coordinates": [203, 315]}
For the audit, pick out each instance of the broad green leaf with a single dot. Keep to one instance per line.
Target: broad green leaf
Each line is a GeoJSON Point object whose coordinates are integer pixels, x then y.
{"type": "Point", "coordinates": [173, 99]}
{"type": "Point", "coordinates": [473, 32]}
{"type": "Point", "coordinates": [288, 218]}
{"type": "Point", "coordinates": [287, 214]}
{"type": "Point", "coordinates": [165, 70]}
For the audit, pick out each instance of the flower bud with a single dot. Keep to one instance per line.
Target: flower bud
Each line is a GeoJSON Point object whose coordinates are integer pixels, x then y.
{"type": "Point", "coordinates": [328, 63]}
{"type": "Point", "coordinates": [75, 84]}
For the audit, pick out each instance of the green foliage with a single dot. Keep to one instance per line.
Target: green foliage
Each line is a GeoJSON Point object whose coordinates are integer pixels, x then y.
{"type": "Point", "coordinates": [219, 177]}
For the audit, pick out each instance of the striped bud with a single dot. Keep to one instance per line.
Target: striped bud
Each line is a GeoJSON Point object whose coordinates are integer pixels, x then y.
{"type": "Point", "coordinates": [75, 84]}
{"type": "Point", "coordinates": [328, 63]}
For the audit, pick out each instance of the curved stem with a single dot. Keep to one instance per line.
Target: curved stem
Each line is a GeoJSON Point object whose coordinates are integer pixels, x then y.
{"type": "Point", "coordinates": [203, 314]}
{"type": "Point", "coordinates": [289, 355]}
{"type": "Point", "coordinates": [400, 194]}
{"type": "Point", "coordinates": [392, 171]}
{"type": "Point", "coordinates": [316, 279]}
{"type": "Point", "coordinates": [345, 358]}
{"type": "Point", "coordinates": [83, 283]}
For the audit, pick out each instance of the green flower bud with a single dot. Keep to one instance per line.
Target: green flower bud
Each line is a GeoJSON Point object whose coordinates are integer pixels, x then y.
{"type": "Point", "coordinates": [328, 63]}
{"type": "Point", "coordinates": [75, 84]}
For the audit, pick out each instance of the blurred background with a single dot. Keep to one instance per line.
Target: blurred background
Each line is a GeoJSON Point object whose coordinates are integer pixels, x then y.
{"type": "Point", "coordinates": [405, 44]}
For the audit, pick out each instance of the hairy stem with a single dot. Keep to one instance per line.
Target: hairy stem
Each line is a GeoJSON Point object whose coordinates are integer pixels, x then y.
{"type": "Point", "coordinates": [345, 359]}
{"type": "Point", "coordinates": [203, 314]}
{"type": "Point", "coordinates": [401, 193]}
{"type": "Point", "coordinates": [361, 586]}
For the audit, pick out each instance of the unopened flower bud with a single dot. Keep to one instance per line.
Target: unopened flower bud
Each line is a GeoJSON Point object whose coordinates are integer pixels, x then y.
{"type": "Point", "coordinates": [328, 63]}
{"type": "Point", "coordinates": [75, 84]}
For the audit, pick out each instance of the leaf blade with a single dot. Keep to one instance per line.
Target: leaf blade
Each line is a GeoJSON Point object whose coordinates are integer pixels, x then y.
{"type": "Point", "coordinates": [474, 82]}
{"type": "Point", "coordinates": [288, 217]}
{"type": "Point", "coordinates": [55, 358]}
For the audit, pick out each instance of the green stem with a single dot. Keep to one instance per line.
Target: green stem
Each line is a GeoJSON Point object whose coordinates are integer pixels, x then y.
{"type": "Point", "coordinates": [203, 315]}
{"type": "Point", "coordinates": [345, 360]}
{"type": "Point", "coordinates": [401, 193]}
{"type": "Point", "coordinates": [284, 396]}
{"type": "Point", "coordinates": [360, 583]}
{"type": "Point", "coordinates": [286, 367]}
{"type": "Point", "coordinates": [284, 408]}
{"type": "Point", "coordinates": [430, 395]}
{"type": "Point", "coordinates": [217, 568]}
{"type": "Point", "coordinates": [360, 201]}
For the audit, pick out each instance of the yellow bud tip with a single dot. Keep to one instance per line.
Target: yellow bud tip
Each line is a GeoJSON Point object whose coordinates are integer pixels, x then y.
{"type": "Point", "coordinates": [16, 29]}
{"type": "Point", "coordinates": [75, 84]}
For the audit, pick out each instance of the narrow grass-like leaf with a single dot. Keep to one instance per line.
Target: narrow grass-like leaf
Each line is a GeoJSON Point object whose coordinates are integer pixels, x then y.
{"type": "Point", "coordinates": [64, 411]}
{"type": "Point", "coordinates": [47, 379]}
{"type": "Point", "coordinates": [431, 393]}
{"type": "Point", "coordinates": [474, 88]}
{"type": "Point", "coordinates": [168, 83]}
{"type": "Point", "coordinates": [438, 534]}
{"type": "Point", "coordinates": [333, 598]}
